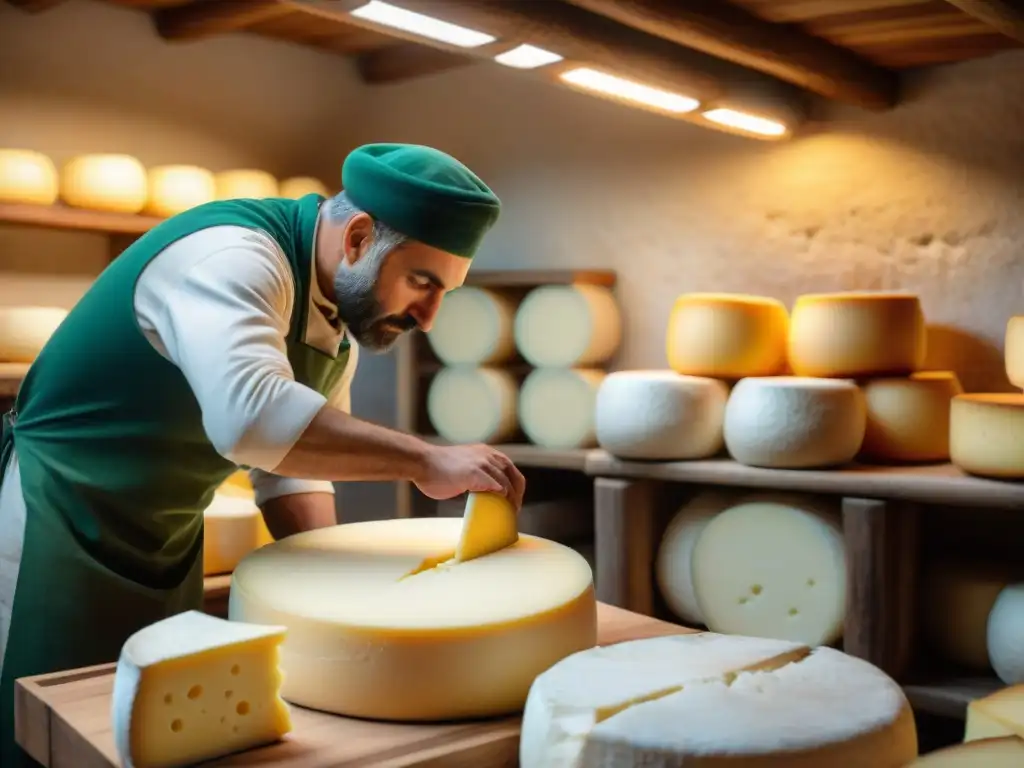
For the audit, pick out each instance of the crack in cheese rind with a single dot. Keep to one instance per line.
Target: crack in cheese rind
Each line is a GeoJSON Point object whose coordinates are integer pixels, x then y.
{"type": "Point", "coordinates": [488, 524]}
{"type": "Point", "coordinates": [452, 642]}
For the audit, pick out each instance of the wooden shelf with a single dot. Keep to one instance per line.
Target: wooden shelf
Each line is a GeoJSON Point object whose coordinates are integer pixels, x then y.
{"type": "Point", "coordinates": [930, 484]}
{"type": "Point", "coordinates": [216, 590]}
{"type": "Point", "coordinates": [76, 219]}
{"type": "Point", "coordinates": [531, 278]}
{"type": "Point", "coordinates": [950, 698]}
{"type": "Point", "coordinates": [11, 375]}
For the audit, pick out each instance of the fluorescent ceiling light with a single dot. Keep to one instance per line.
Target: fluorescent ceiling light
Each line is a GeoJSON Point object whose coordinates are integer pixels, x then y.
{"type": "Point", "coordinates": [745, 122]}
{"type": "Point", "coordinates": [410, 21]}
{"type": "Point", "coordinates": [527, 57]}
{"type": "Point", "coordinates": [600, 82]}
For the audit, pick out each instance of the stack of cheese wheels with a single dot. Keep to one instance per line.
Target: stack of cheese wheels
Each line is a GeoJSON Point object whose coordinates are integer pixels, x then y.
{"type": "Point", "coordinates": [447, 639]}
{"type": "Point", "coordinates": [176, 188]}
{"type": "Point", "coordinates": [245, 183]}
{"type": "Point", "coordinates": [233, 525]}
{"type": "Point", "coordinates": [105, 182]}
{"type": "Point", "coordinates": [710, 699]}
{"type": "Point", "coordinates": [24, 331]}
{"type": "Point", "coordinates": [27, 176]}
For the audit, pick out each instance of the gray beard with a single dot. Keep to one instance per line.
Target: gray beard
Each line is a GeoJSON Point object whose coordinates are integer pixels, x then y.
{"type": "Point", "coordinates": [361, 312]}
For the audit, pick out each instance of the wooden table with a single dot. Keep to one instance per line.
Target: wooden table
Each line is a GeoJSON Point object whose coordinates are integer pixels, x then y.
{"type": "Point", "coordinates": [63, 721]}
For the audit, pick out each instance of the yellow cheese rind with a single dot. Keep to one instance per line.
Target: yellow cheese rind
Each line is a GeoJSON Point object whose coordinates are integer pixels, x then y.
{"type": "Point", "coordinates": [998, 714]}
{"type": "Point", "coordinates": [176, 188]}
{"type": "Point", "coordinates": [908, 417]}
{"type": "Point", "coordinates": [27, 177]}
{"type": "Point", "coordinates": [727, 336]}
{"type": "Point", "coordinates": [24, 331]}
{"type": "Point", "coordinates": [857, 334]}
{"type": "Point", "coordinates": [986, 435]}
{"type": "Point", "coordinates": [115, 183]}
{"type": "Point", "coordinates": [1015, 351]}
{"type": "Point", "coordinates": [299, 186]}
{"type": "Point", "coordinates": [455, 640]}
{"type": "Point", "coordinates": [489, 524]}
{"type": "Point", "coordinates": [245, 183]}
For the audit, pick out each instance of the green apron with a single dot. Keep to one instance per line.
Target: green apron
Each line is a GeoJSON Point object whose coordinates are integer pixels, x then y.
{"type": "Point", "coordinates": [116, 468]}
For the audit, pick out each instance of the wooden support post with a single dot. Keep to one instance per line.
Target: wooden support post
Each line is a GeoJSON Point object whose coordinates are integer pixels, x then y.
{"type": "Point", "coordinates": [624, 543]}
{"type": "Point", "coordinates": [882, 547]}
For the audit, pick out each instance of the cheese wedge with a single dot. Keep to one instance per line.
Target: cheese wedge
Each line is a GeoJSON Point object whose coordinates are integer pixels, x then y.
{"type": "Point", "coordinates": [489, 524]}
{"type": "Point", "coordinates": [194, 687]}
{"type": "Point", "coordinates": [998, 714]}
{"type": "Point", "coordinates": [1007, 752]}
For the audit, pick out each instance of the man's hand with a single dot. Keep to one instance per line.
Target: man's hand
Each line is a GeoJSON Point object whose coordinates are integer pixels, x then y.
{"type": "Point", "coordinates": [451, 470]}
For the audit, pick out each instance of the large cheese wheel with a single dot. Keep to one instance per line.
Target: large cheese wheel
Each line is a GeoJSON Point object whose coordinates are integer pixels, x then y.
{"type": "Point", "coordinates": [299, 186]}
{"type": "Point", "coordinates": [231, 530]}
{"type": "Point", "coordinates": [908, 417]}
{"type": "Point", "coordinates": [857, 334]}
{"type": "Point", "coordinates": [1015, 351]}
{"type": "Point", "coordinates": [713, 700]}
{"type": "Point", "coordinates": [998, 714]}
{"type": "Point", "coordinates": [114, 183]}
{"type": "Point", "coordinates": [1005, 637]}
{"type": "Point", "coordinates": [375, 631]}
{"type": "Point", "coordinates": [986, 435]}
{"type": "Point", "coordinates": [727, 336]}
{"type": "Point", "coordinates": [24, 331]}
{"type": "Point", "coordinates": [176, 188]}
{"type": "Point", "coordinates": [1005, 752]}
{"type": "Point", "coordinates": [674, 562]}
{"type": "Point", "coordinates": [473, 405]}
{"type": "Point", "coordinates": [568, 326]}
{"type": "Point", "coordinates": [660, 415]}
{"type": "Point", "coordinates": [245, 183]}
{"type": "Point", "coordinates": [794, 422]}
{"type": "Point", "coordinates": [474, 327]}
{"type": "Point", "coordinates": [556, 407]}
{"type": "Point", "coordinates": [27, 177]}
{"type": "Point", "coordinates": [773, 565]}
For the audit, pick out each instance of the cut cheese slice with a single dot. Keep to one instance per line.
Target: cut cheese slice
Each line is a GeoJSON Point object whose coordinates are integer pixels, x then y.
{"type": "Point", "coordinates": [773, 565]}
{"type": "Point", "coordinates": [245, 183]}
{"type": "Point", "coordinates": [1015, 351]}
{"type": "Point", "coordinates": [115, 183]}
{"type": "Point", "coordinates": [715, 700]}
{"type": "Point", "coordinates": [568, 326]}
{"type": "Point", "coordinates": [566, 520]}
{"type": "Point", "coordinates": [998, 714]}
{"type": "Point", "coordinates": [489, 524]}
{"type": "Point", "coordinates": [24, 331]}
{"type": "Point", "coordinates": [474, 327]}
{"type": "Point", "coordinates": [300, 186]}
{"type": "Point", "coordinates": [857, 334]}
{"type": "Point", "coordinates": [473, 405]}
{"type": "Point", "coordinates": [986, 435]}
{"type": "Point", "coordinates": [381, 625]}
{"type": "Point", "coordinates": [176, 188]}
{"type": "Point", "coordinates": [908, 417]}
{"type": "Point", "coordinates": [231, 530]}
{"type": "Point", "coordinates": [660, 415]}
{"type": "Point", "coordinates": [556, 407]}
{"type": "Point", "coordinates": [1007, 752]}
{"type": "Point", "coordinates": [1005, 640]}
{"type": "Point", "coordinates": [194, 687]}
{"type": "Point", "coordinates": [27, 177]}
{"type": "Point", "coordinates": [727, 336]}
{"type": "Point", "coordinates": [794, 422]}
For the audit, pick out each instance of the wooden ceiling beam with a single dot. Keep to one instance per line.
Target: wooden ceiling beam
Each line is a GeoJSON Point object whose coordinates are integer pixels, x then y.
{"type": "Point", "coordinates": [732, 33]}
{"type": "Point", "coordinates": [405, 61]}
{"type": "Point", "coordinates": [1004, 16]}
{"type": "Point", "coordinates": [205, 18]}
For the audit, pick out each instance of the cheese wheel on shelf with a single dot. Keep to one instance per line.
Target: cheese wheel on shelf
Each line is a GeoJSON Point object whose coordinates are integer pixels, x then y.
{"type": "Point", "coordinates": [674, 562]}
{"type": "Point", "coordinates": [176, 188]}
{"type": "Point", "coordinates": [245, 183]}
{"type": "Point", "coordinates": [238, 485]}
{"type": "Point", "coordinates": [727, 336]}
{"type": "Point", "coordinates": [1005, 636]}
{"type": "Point", "coordinates": [447, 640]}
{"type": "Point", "coordinates": [300, 186]}
{"type": "Point", "coordinates": [986, 435]}
{"type": "Point", "coordinates": [714, 700]}
{"type": "Point", "coordinates": [857, 334]}
{"type": "Point", "coordinates": [27, 177]}
{"type": "Point", "coordinates": [996, 715]}
{"type": "Point", "coordinates": [908, 417]}
{"type": "Point", "coordinates": [660, 415]}
{"type": "Point", "coordinates": [24, 331]}
{"type": "Point", "coordinates": [568, 326]}
{"type": "Point", "coordinates": [114, 183]}
{"type": "Point", "coordinates": [794, 422]}
{"type": "Point", "coordinates": [556, 407]}
{"type": "Point", "coordinates": [773, 565]}
{"type": "Point", "coordinates": [1015, 351]}
{"type": "Point", "coordinates": [474, 327]}
{"type": "Point", "coordinates": [1005, 752]}
{"type": "Point", "coordinates": [231, 530]}
{"type": "Point", "coordinates": [473, 405]}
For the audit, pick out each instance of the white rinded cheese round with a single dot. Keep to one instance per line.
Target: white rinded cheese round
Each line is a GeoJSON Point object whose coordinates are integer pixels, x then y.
{"type": "Point", "coordinates": [176, 188]}
{"type": "Point", "coordinates": [986, 435]}
{"type": "Point", "coordinates": [115, 183]}
{"type": "Point", "coordinates": [1015, 351]}
{"type": "Point", "coordinates": [1006, 635]}
{"type": "Point", "coordinates": [660, 415]}
{"type": "Point", "coordinates": [773, 565]}
{"type": "Point", "coordinates": [727, 336]}
{"type": "Point", "coordinates": [713, 700]}
{"type": "Point", "coordinates": [857, 334]}
{"type": "Point", "coordinates": [300, 186]}
{"type": "Point", "coordinates": [27, 177]}
{"type": "Point", "coordinates": [674, 563]}
{"type": "Point", "coordinates": [473, 405]}
{"type": "Point", "coordinates": [231, 530]}
{"type": "Point", "coordinates": [245, 183]}
{"type": "Point", "coordinates": [24, 331]}
{"type": "Point", "coordinates": [474, 327]}
{"type": "Point", "coordinates": [367, 639]}
{"type": "Point", "coordinates": [908, 417]}
{"type": "Point", "coordinates": [568, 326]}
{"type": "Point", "coordinates": [794, 422]}
{"type": "Point", "coordinates": [556, 407]}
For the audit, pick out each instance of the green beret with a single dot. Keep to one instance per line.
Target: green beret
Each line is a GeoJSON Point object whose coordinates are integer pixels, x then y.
{"type": "Point", "coordinates": [423, 193]}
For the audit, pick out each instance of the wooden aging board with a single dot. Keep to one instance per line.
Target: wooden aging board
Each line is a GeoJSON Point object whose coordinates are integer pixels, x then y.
{"type": "Point", "coordinates": [63, 721]}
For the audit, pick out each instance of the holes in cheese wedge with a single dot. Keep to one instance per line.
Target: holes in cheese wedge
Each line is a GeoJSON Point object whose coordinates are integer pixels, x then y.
{"type": "Point", "coordinates": [242, 708]}
{"type": "Point", "coordinates": [177, 725]}
{"type": "Point", "coordinates": [195, 691]}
